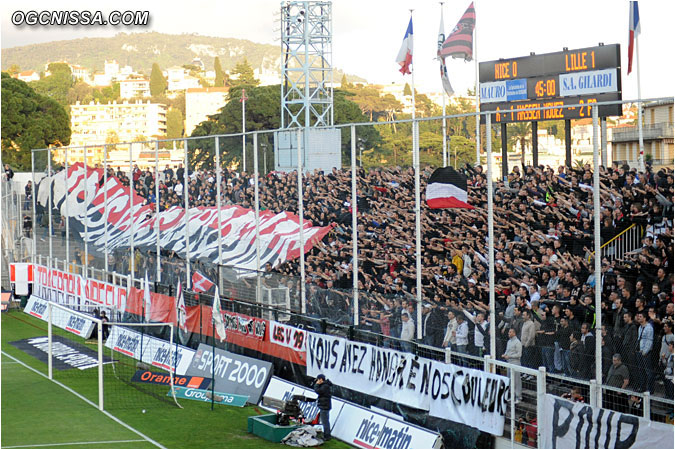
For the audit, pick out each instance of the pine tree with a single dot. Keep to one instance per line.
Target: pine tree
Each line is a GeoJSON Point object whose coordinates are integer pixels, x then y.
{"type": "Point", "coordinates": [220, 74]}
{"type": "Point", "coordinates": [157, 81]}
{"type": "Point", "coordinates": [244, 74]}
{"type": "Point", "coordinates": [407, 90]}
{"type": "Point", "coordinates": [344, 83]}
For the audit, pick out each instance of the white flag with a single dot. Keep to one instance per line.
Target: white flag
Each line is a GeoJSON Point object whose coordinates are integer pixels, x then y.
{"type": "Point", "coordinates": [218, 324]}
{"type": "Point", "coordinates": [181, 316]}
{"type": "Point", "coordinates": [147, 301]}
{"type": "Point", "coordinates": [447, 87]}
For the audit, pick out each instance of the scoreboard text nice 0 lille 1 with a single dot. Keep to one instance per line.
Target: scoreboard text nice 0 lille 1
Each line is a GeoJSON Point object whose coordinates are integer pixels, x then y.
{"type": "Point", "coordinates": [568, 82]}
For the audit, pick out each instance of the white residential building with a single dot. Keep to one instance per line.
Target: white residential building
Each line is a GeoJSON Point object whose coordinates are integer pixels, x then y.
{"type": "Point", "coordinates": [93, 123]}
{"type": "Point", "coordinates": [101, 79]}
{"type": "Point", "coordinates": [133, 88]}
{"type": "Point", "coordinates": [111, 69]}
{"type": "Point", "coordinates": [79, 73]}
{"type": "Point", "coordinates": [28, 75]}
{"type": "Point", "coordinates": [200, 103]}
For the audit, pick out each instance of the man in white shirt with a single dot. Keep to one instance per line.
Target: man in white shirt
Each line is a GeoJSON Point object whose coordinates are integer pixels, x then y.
{"type": "Point", "coordinates": [479, 330]}
{"type": "Point", "coordinates": [407, 331]}
{"type": "Point", "coordinates": [449, 340]}
{"type": "Point", "coordinates": [462, 334]}
{"type": "Point", "coordinates": [512, 355]}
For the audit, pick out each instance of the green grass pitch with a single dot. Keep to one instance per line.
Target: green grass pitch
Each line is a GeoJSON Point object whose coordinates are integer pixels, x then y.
{"type": "Point", "coordinates": [39, 413]}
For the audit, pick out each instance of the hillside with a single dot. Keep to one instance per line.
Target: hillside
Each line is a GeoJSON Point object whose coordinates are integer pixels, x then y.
{"type": "Point", "coordinates": [141, 50]}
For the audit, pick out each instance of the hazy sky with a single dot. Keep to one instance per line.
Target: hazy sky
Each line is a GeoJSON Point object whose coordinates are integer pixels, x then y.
{"type": "Point", "coordinates": [368, 33]}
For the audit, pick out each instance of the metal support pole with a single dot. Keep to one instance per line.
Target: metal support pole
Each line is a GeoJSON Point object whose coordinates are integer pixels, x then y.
{"type": "Point", "coordinates": [541, 401]}
{"type": "Point", "coordinates": [535, 144]}
{"type": "Point", "coordinates": [505, 155]}
{"type": "Point", "coordinates": [597, 258]}
{"type": "Point", "coordinates": [355, 243]}
{"type": "Point", "coordinates": [186, 185]}
{"type": "Point", "coordinates": [105, 206]}
{"type": "Point", "coordinates": [445, 137]}
{"type": "Point", "coordinates": [477, 85]}
{"type": "Point", "coordinates": [301, 236]}
{"type": "Point", "coordinates": [603, 141]}
{"type": "Point", "coordinates": [243, 128]}
{"type": "Point", "coordinates": [157, 230]}
{"type": "Point", "coordinates": [50, 205]}
{"type": "Point", "coordinates": [641, 157]}
{"type": "Point", "coordinates": [50, 337]}
{"type": "Point", "coordinates": [256, 194]}
{"type": "Point", "coordinates": [132, 262]}
{"type": "Point", "coordinates": [218, 201]}
{"type": "Point", "coordinates": [86, 216]}
{"type": "Point", "coordinates": [568, 143]}
{"type": "Point", "coordinates": [33, 196]}
{"type": "Point", "coordinates": [418, 228]}
{"type": "Point", "coordinates": [491, 237]}
{"type": "Point", "coordinates": [66, 208]}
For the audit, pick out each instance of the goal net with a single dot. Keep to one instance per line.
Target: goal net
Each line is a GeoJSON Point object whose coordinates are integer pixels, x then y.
{"type": "Point", "coordinates": [142, 371]}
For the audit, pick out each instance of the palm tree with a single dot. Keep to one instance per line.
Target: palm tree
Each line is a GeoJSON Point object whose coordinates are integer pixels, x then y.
{"type": "Point", "coordinates": [520, 133]}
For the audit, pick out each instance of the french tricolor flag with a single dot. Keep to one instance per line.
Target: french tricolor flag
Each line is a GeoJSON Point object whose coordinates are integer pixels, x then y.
{"type": "Point", "coordinates": [446, 188]}
{"type": "Point", "coordinates": [633, 31]}
{"type": "Point", "coordinates": [404, 57]}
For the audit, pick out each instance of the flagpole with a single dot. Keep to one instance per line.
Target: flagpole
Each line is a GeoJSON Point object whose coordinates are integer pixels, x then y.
{"type": "Point", "coordinates": [475, 59]}
{"type": "Point", "coordinates": [641, 158]}
{"type": "Point", "coordinates": [418, 234]}
{"type": "Point", "coordinates": [491, 237]}
{"type": "Point", "coordinates": [186, 217]}
{"type": "Point", "coordinates": [445, 137]}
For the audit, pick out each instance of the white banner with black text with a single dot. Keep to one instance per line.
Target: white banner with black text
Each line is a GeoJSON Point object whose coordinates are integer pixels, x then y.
{"type": "Point", "coordinates": [578, 425]}
{"type": "Point", "coordinates": [472, 397]}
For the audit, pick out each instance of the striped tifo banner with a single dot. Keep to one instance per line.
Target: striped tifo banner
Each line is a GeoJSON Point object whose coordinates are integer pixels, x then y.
{"type": "Point", "coordinates": [279, 240]}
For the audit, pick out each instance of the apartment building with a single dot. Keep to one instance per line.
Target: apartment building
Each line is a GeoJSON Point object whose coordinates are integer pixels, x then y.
{"type": "Point", "coordinates": [657, 135]}
{"type": "Point", "coordinates": [93, 124]}
{"type": "Point", "coordinates": [134, 88]}
{"type": "Point", "coordinates": [201, 103]}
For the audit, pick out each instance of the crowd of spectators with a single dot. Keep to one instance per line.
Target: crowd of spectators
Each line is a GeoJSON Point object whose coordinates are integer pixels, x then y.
{"type": "Point", "coordinates": [545, 285]}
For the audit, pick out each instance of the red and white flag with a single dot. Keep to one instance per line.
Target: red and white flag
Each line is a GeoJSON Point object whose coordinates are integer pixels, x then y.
{"type": "Point", "coordinates": [460, 42]}
{"type": "Point", "coordinates": [404, 58]}
{"type": "Point", "coordinates": [200, 283]}
{"type": "Point", "coordinates": [633, 31]}
{"type": "Point", "coordinates": [446, 188]}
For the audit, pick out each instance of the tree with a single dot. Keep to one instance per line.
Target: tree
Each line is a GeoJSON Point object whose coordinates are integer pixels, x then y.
{"type": "Point", "coordinates": [57, 85]}
{"type": "Point", "coordinates": [13, 69]}
{"type": "Point", "coordinates": [158, 83]}
{"type": "Point", "coordinates": [406, 90]}
{"type": "Point", "coordinates": [80, 92]}
{"type": "Point", "coordinates": [263, 112]}
{"type": "Point", "coordinates": [221, 77]}
{"type": "Point", "coordinates": [174, 124]}
{"type": "Point", "coordinates": [243, 76]}
{"type": "Point", "coordinates": [344, 84]}
{"type": "Point", "coordinates": [520, 133]}
{"type": "Point", "coordinates": [29, 121]}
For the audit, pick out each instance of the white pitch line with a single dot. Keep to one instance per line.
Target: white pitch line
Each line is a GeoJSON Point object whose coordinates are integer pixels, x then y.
{"type": "Point", "coordinates": [73, 443]}
{"type": "Point", "coordinates": [129, 427]}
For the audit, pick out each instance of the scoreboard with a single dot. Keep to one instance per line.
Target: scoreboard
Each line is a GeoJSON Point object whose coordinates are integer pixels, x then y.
{"type": "Point", "coordinates": [569, 81]}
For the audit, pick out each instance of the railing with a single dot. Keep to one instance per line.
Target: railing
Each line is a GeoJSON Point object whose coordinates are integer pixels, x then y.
{"type": "Point", "coordinates": [624, 242]}
{"type": "Point", "coordinates": [649, 131]}
{"type": "Point", "coordinates": [535, 382]}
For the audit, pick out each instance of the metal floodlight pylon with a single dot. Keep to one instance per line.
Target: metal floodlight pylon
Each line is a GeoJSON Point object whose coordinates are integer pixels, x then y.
{"type": "Point", "coordinates": [306, 64]}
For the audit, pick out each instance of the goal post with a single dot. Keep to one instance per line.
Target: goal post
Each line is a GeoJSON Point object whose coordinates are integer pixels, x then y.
{"type": "Point", "coordinates": [145, 361]}
{"type": "Point", "coordinates": [72, 352]}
